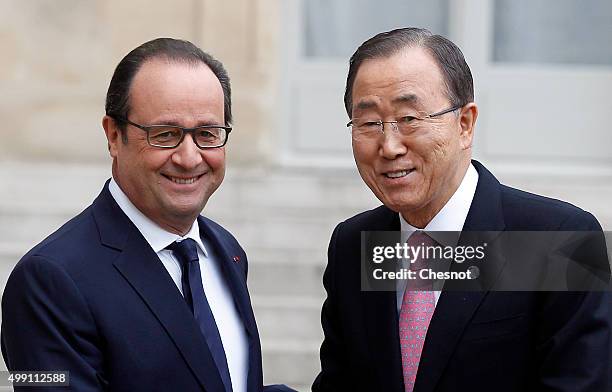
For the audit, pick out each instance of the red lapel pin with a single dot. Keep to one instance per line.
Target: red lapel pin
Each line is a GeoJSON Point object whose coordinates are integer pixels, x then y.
{"type": "Point", "coordinates": [236, 259]}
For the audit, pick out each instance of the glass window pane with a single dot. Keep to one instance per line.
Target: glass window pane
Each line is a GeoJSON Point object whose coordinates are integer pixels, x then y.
{"type": "Point", "coordinates": [553, 31]}
{"type": "Point", "coordinates": [335, 28]}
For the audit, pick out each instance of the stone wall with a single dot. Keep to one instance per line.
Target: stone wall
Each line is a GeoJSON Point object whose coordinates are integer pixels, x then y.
{"type": "Point", "coordinates": [58, 58]}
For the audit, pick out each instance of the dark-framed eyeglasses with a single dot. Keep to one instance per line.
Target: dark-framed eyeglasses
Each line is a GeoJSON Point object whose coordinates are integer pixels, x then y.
{"type": "Point", "coordinates": [170, 136]}
{"type": "Point", "coordinates": [369, 128]}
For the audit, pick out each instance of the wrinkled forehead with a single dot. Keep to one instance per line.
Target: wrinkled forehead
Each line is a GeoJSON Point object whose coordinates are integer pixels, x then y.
{"type": "Point", "coordinates": [409, 78]}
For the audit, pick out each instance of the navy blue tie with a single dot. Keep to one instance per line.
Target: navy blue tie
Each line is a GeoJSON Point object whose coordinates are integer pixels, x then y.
{"type": "Point", "coordinates": [186, 252]}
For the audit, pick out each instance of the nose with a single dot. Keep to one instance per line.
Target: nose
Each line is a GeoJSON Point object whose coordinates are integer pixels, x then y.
{"type": "Point", "coordinates": [392, 125]}
{"type": "Point", "coordinates": [392, 146]}
{"type": "Point", "coordinates": [187, 154]}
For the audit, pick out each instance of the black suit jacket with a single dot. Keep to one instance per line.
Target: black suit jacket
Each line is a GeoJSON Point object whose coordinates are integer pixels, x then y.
{"type": "Point", "coordinates": [478, 340]}
{"type": "Point", "coordinates": [95, 300]}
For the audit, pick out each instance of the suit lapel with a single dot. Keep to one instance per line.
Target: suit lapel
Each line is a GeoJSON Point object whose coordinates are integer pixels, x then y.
{"type": "Point", "coordinates": [232, 272]}
{"type": "Point", "coordinates": [234, 275]}
{"type": "Point", "coordinates": [455, 309]}
{"type": "Point", "coordinates": [453, 312]}
{"type": "Point", "coordinates": [143, 270]}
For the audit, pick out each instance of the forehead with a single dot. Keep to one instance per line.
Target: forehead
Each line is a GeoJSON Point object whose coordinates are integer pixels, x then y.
{"type": "Point", "coordinates": [163, 85]}
{"type": "Point", "coordinates": [409, 77]}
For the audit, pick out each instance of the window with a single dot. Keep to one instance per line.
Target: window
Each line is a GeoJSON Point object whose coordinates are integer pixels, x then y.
{"type": "Point", "coordinates": [334, 28]}
{"type": "Point", "coordinates": [561, 31]}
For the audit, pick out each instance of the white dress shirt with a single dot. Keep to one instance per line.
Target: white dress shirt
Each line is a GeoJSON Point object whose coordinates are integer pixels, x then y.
{"type": "Point", "coordinates": [219, 296]}
{"type": "Point", "coordinates": [450, 218]}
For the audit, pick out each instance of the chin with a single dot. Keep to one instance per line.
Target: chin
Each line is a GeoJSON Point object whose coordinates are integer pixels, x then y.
{"type": "Point", "coordinates": [391, 203]}
{"type": "Point", "coordinates": [398, 199]}
{"type": "Point", "coordinates": [402, 205]}
{"type": "Point", "coordinates": [185, 209]}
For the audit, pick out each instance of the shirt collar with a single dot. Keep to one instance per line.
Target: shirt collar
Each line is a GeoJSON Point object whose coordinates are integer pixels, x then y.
{"type": "Point", "coordinates": [157, 237]}
{"type": "Point", "coordinates": [454, 213]}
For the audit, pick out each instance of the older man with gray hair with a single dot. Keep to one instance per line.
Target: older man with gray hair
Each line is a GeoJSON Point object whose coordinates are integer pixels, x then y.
{"type": "Point", "coordinates": [410, 100]}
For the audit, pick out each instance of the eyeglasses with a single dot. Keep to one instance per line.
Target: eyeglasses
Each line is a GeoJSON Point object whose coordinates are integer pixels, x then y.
{"type": "Point", "coordinates": [170, 136]}
{"type": "Point", "coordinates": [367, 129]}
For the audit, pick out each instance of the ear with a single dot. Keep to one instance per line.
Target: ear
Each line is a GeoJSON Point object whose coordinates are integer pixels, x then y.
{"type": "Point", "coordinates": [467, 121]}
{"type": "Point", "coordinates": [113, 135]}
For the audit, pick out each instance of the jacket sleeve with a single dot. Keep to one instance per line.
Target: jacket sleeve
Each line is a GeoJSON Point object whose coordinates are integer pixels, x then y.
{"type": "Point", "coordinates": [575, 343]}
{"type": "Point", "coordinates": [47, 325]}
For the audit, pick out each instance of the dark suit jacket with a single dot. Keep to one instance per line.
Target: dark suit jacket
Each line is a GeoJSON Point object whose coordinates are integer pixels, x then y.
{"type": "Point", "coordinates": [479, 340]}
{"type": "Point", "coordinates": [94, 299]}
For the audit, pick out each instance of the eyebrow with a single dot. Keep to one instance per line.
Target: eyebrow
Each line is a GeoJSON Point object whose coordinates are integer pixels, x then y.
{"type": "Point", "coordinates": [169, 122]}
{"type": "Point", "coordinates": [401, 99]}
{"type": "Point", "coordinates": [177, 123]}
{"type": "Point", "coordinates": [406, 98]}
{"type": "Point", "coordinates": [368, 104]}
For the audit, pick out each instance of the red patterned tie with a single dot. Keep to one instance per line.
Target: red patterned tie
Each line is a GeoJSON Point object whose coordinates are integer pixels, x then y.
{"type": "Point", "coordinates": [415, 315]}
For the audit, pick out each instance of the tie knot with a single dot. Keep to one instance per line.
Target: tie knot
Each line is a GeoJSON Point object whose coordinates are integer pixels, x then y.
{"type": "Point", "coordinates": [420, 238]}
{"type": "Point", "coordinates": [420, 242]}
{"type": "Point", "coordinates": [185, 251]}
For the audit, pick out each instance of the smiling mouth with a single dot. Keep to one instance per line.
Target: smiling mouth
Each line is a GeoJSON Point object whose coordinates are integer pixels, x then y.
{"type": "Point", "coordinates": [181, 180]}
{"type": "Point", "coordinates": [398, 174]}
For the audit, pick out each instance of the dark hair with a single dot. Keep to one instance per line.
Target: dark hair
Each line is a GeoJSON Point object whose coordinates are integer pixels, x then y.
{"type": "Point", "coordinates": [455, 71]}
{"type": "Point", "coordinates": [117, 97]}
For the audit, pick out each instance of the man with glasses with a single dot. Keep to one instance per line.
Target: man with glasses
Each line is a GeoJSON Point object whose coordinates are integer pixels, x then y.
{"type": "Point", "coordinates": [410, 99]}
{"type": "Point", "coordinates": [140, 292]}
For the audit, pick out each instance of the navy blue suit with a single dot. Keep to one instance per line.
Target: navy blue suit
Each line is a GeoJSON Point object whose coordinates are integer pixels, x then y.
{"type": "Point", "coordinates": [476, 341]}
{"type": "Point", "coordinates": [94, 299]}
